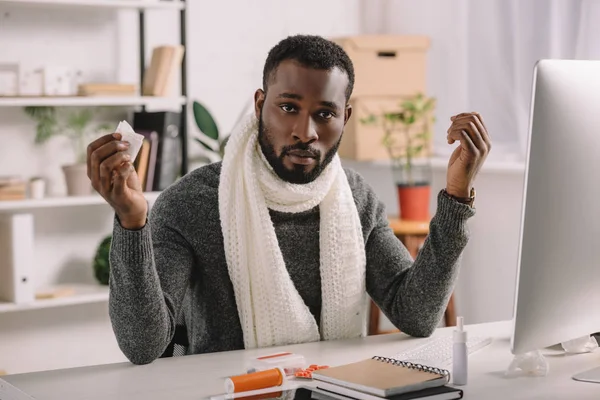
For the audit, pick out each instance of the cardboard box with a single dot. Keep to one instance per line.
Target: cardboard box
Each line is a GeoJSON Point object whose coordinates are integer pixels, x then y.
{"type": "Point", "coordinates": [387, 65]}
{"type": "Point", "coordinates": [364, 142]}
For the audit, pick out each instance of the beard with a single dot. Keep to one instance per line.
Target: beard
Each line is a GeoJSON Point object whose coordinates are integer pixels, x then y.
{"type": "Point", "coordinates": [299, 174]}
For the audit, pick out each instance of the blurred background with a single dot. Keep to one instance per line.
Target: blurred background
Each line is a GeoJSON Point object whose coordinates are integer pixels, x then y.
{"type": "Point", "coordinates": [182, 73]}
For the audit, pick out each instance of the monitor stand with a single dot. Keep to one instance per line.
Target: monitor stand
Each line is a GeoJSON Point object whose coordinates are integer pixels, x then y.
{"type": "Point", "coordinates": [593, 376]}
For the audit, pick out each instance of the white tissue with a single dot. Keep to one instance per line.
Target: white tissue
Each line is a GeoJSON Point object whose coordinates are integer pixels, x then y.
{"type": "Point", "coordinates": [528, 364]}
{"type": "Point", "coordinates": [135, 140]}
{"type": "Point", "coordinates": [584, 344]}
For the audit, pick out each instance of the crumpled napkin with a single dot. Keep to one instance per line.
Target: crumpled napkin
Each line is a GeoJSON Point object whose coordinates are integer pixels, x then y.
{"type": "Point", "coordinates": [135, 140]}
{"type": "Point", "coordinates": [585, 344]}
{"type": "Point", "coordinates": [532, 363]}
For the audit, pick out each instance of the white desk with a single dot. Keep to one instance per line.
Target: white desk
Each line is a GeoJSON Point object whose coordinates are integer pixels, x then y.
{"type": "Point", "coordinates": [196, 377]}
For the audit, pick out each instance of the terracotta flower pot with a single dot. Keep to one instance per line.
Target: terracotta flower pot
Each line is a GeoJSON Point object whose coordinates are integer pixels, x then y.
{"type": "Point", "coordinates": [414, 201]}
{"type": "Point", "coordinates": [78, 183]}
{"type": "Point", "coordinates": [414, 191]}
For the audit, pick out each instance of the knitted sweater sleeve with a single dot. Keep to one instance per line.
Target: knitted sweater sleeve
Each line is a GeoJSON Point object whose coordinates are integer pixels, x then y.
{"type": "Point", "coordinates": [150, 271]}
{"type": "Point", "coordinates": [414, 294]}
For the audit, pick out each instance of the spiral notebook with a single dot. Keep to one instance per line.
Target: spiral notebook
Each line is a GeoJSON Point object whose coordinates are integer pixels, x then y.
{"type": "Point", "coordinates": [383, 376]}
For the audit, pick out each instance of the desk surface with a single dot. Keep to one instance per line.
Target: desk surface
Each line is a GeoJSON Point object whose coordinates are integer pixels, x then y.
{"type": "Point", "coordinates": [200, 376]}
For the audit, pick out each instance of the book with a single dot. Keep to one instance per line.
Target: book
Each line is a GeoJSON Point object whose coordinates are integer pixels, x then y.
{"type": "Point", "coordinates": [159, 77]}
{"type": "Point", "coordinates": [383, 376]}
{"type": "Point", "coordinates": [175, 59]}
{"type": "Point", "coordinates": [434, 393]}
{"type": "Point", "coordinates": [12, 188]}
{"type": "Point", "coordinates": [153, 138]}
{"type": "Point", "coordinates": [145, 162]}
{"type": "Point", "coordinates": [106, 89]}
{"type": "Point", "coordinates": [142, 162]}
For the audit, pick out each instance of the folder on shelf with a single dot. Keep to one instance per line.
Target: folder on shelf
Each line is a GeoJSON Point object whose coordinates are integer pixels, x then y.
{"type": "Point", "coordinates": [16, 258]}
{"type": "Point", "coordinates": [162, 129]}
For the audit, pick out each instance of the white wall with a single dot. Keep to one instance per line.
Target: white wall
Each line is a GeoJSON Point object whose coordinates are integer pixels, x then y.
{"type": "Point", "coordinates": [225, 57]}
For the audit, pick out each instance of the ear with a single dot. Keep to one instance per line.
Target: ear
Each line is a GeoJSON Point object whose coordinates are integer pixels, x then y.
{"type": "Point", "coordinates": [259, 101]}
{"type": "Point", "coordinates": [347, 113]}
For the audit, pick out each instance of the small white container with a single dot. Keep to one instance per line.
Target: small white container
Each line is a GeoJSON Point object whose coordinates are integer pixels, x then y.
{"type": "Point", "coordinates": [460, 355]}
{"type": "Point", "coordinates": [37, 188]}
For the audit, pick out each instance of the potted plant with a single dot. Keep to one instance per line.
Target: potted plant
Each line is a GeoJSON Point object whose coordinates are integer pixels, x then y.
{"type": "Point", "coordinates": [406, 137]}
{"type": "Point", "coordinates": [210, 137]}
{"type": "Point", "coordinates": [101, 262]}
{"type": "Point", "coordinates": [77, 126]}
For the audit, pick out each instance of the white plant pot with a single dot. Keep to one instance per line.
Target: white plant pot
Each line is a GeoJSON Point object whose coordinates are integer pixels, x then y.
{"type": "Point", "coordinates": [78, 183]}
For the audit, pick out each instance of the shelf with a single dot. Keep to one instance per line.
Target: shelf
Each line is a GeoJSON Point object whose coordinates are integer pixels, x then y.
{"type": "Point", "coordinates": [89, 101]}
{"type": "Point", "coordinates": [441, 163]}
{"type": "Point", "coordinates": [50, 202]}
{"type": "Point", "coordinates": [115, 4]}
{"type": "Point", "coordinates": [84, 294]}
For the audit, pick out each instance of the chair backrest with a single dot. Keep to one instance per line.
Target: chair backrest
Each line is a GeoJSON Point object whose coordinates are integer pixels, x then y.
{"type": "Point", "coordinates": [179, 344]}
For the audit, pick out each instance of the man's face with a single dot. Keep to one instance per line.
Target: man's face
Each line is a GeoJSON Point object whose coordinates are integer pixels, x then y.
{"type": "Point", "coordinates": [301, 120]}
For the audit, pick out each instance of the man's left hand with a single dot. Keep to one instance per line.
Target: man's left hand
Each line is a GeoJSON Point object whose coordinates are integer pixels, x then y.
{"type": "Point", "coordinates": [466, 160]}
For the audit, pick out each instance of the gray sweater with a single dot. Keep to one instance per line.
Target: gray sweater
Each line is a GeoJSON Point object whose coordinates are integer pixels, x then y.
{"type": "Point", "coordinates": [174, 268]}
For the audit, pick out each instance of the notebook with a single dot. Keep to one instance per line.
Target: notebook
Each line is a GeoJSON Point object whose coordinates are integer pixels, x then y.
{"type": "Point", "coordinates": [383, 376]}
{"type": "Point", "coordinates": [434, 393]}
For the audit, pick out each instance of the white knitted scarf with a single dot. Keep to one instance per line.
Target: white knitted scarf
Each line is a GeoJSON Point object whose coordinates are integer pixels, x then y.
{"type": "Point", "coordinates": [270, 309]}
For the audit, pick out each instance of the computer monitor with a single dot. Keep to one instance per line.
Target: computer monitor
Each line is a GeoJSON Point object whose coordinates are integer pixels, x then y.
{"type": "Point", "coordinates": [558, 279]}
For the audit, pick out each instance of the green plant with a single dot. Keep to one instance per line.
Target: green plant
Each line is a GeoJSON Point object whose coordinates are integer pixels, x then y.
{"type": "Point", "coordinates": [407, 130]}
{"type": "Point", "coordinates": [211, 139]}
{"type": "Point", "coordinates": [101, 262]}
{"type": "Point", "coordinates": [209, 130]}
{"type": "Point", "coordinates": [75, 124]}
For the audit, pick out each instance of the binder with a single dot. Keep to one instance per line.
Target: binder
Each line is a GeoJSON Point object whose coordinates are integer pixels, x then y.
{"type": "Point", "coordinates": [16, 258]}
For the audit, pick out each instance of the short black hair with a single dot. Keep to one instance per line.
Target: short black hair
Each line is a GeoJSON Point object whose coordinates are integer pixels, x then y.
{"type": "Point", "coordinates": [309, 51]}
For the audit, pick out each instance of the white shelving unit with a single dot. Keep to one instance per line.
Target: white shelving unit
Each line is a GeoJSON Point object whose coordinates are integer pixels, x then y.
{"type": "Point", "coordinates": [83, 294]}
{"type": "Point", "coordinates": [11, 215]}
{"type": "Point", "coordinates": [53, 202]}
{"type": "Point", "coordinates": [12, 212]}
{"type": "Point", "coordinates": [56, 236]}
{"type": "Point", "coordinates": [91, 101]}
{"type": "Point", "coordinates": [116, 4]}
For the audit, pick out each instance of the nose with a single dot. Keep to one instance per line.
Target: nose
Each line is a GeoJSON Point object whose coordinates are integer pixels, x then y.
{"type": "Point", "coordinates": [305, 130]}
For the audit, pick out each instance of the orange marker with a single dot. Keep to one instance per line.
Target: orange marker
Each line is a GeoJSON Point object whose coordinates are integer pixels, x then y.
{"type": "Point", "coordinates": [255, 380]}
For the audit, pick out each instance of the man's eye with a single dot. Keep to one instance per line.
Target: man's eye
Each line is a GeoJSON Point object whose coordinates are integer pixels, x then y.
{"type": "Point", "coordinates": [288, 108]}
{"type": "Point", "coordinates": [326, 114]}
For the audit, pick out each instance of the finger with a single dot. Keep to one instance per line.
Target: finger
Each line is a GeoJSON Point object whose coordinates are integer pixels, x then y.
{"type": "Point", "coordinates": [93, 146]}
{"type": "Point", "coordinates": [101, 154]}
{"type": "Point", "coordinates": [484, 132]}
{"type": "Point", "coordinates": [108, 166]}
{"type": "Point", "coordinates": [121, 174]}
{"type": "Point", "coordinates": [457, 134]}
{"type": "Point", "coordinates": [470, 127]}
{"type": "Point", "coordinates": [456, 118]}
{"type": "Point", "coordinates": [459, 116]}
{"type": "Point", "coordinates": [466, 142]}
{"type": "Point", "coordinates": [480, 125]}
